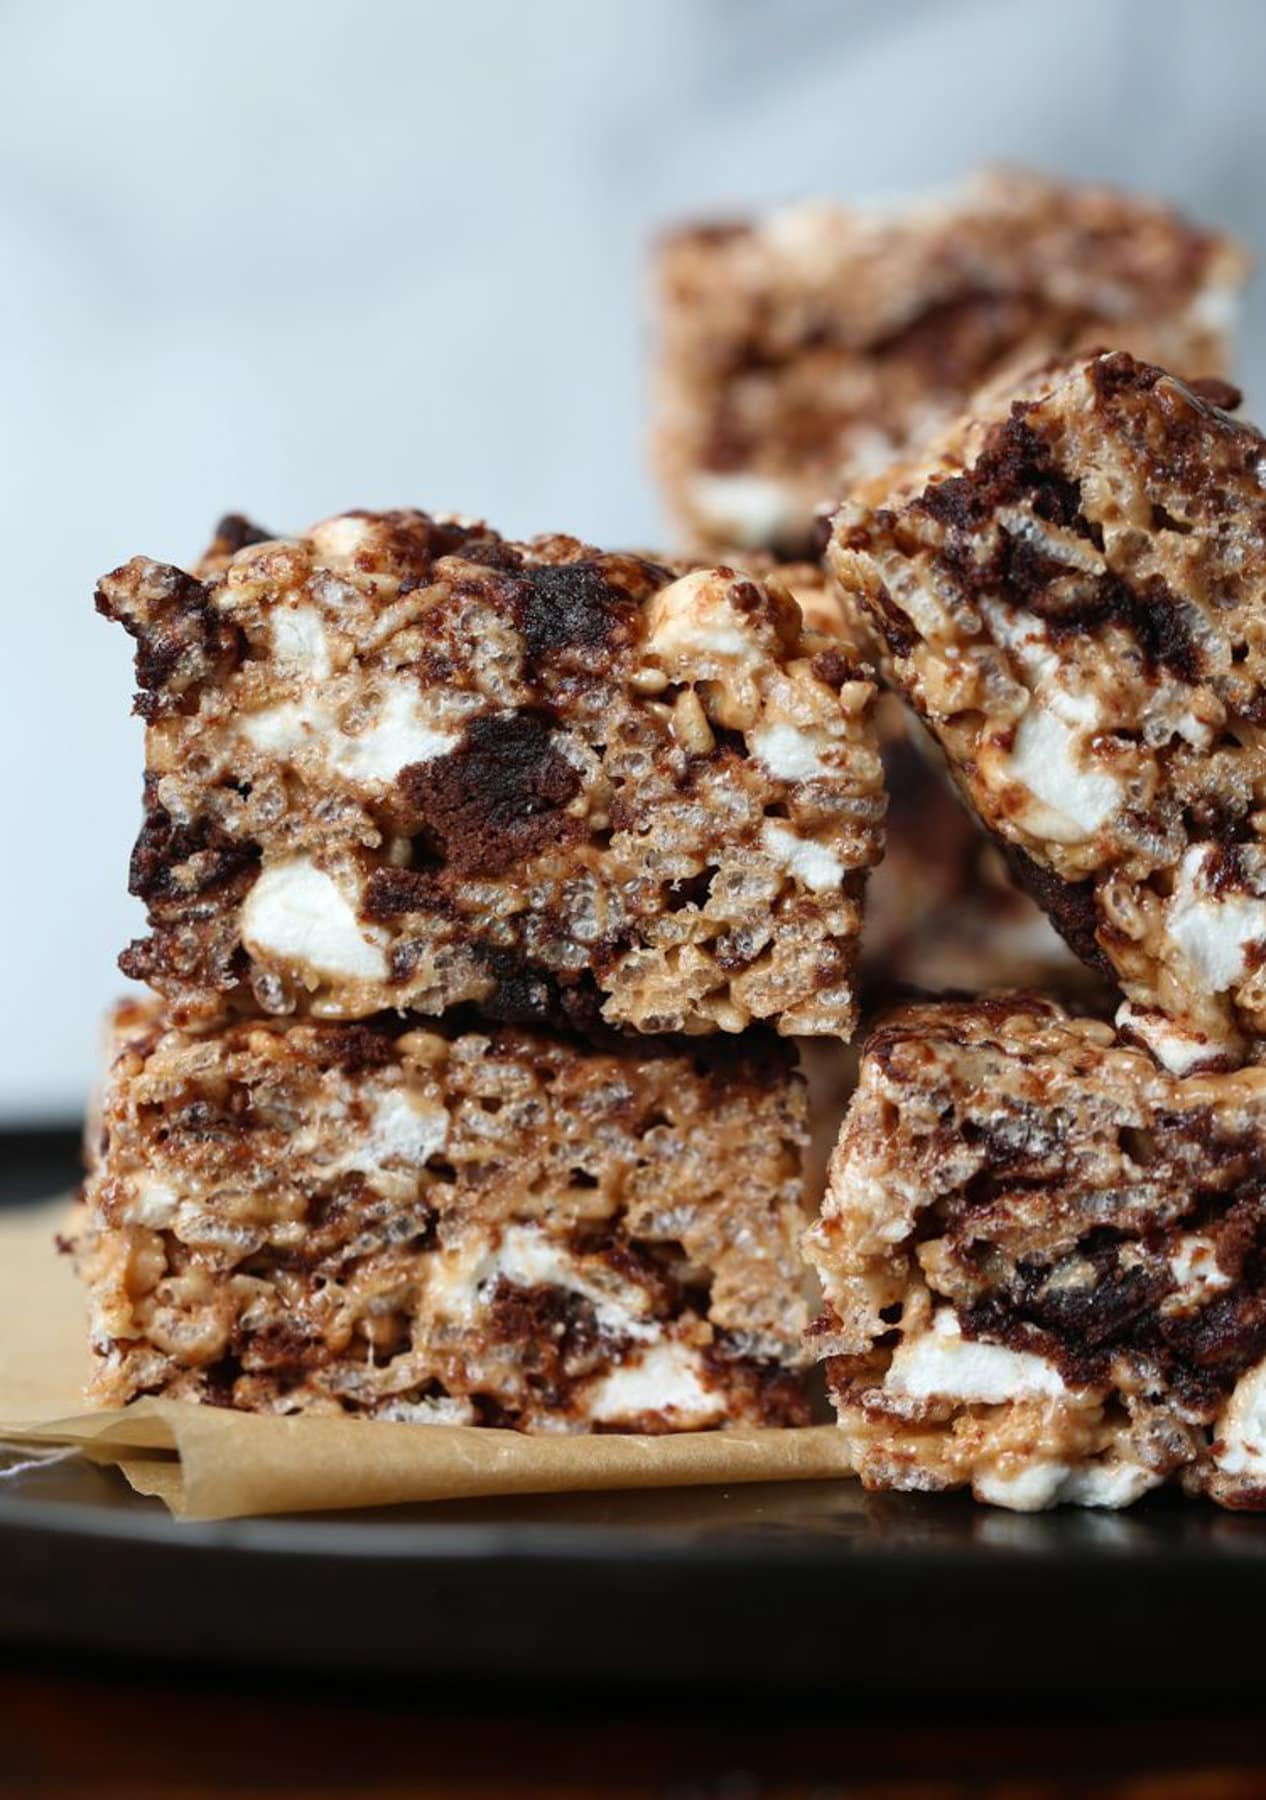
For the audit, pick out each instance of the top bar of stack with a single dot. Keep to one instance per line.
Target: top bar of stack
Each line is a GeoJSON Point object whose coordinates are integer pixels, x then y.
{"type": "Point", "coordinates": [404, 764]}
{"type": "Point", "coordinates": [807, 350]}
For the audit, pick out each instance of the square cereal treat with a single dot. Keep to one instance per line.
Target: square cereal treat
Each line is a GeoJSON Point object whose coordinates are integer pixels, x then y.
{"type": "Point", "coordinates": [400, 763]}
{"type": "Point", "coordinates": [481, 1227]}
{"type": "Point", "coordinates": [1072, 589]}
{"type": "Point", "coordinates": [1044, 1261]}
{"type": "Point", "coordinates": [803, 351]}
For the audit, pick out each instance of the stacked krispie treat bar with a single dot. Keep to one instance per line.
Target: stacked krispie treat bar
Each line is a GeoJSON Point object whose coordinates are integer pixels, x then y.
{"type": "Point", "coordinates": [1043, 1243]}
{"type": "Point", "coordinates": [473, 1226]}
{"type": "Point", "coordinates": [1044, 1259]}
{"type": "Point", "coordinates": [481, 878]}
{"type": "Point", "coordinates": [403, 764]}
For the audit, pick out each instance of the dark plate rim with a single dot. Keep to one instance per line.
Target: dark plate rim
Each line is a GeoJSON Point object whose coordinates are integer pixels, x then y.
{"type": "Point", "coordinates": [1184, 1537]}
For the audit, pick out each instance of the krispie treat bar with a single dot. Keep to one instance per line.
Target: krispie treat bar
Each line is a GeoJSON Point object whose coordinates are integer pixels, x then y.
{"type": "Point", "coordinates": [1071, 592]}
{"type": "Point", "coordinates": [401, 763]}
{"type": "Point", "coordinates": [495, 1227]}
{"type": "Point", "coordinates": [800, 352]}
{"type": "Point", "coordinates": [1044, 1261]}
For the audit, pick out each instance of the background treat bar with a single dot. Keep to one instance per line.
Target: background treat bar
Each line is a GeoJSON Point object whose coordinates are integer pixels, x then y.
{"type": "Point", "coordinates": [495, 1227]}
{"type": "Point", "coordinates": [1044, 1261]}
{"type": "Point", "coordinates": [1071, 593]}
{"type": "Point", "coordinates": [802, 351]}
{"type": "Point", "coordinates": [402, 763]}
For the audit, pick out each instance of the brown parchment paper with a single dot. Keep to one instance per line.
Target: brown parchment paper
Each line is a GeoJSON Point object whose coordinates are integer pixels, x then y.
{"type": "Point", "coordinates": [208, 1463]}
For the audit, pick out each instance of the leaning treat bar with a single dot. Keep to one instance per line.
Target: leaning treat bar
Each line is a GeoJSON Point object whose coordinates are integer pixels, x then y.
{"type": "Point", "coordinates": [489, 1227]}
{"type": "Point", "coordinates": [1071, 593]}
{"type": "Point", "coordinates": [1044, 1261]}
{"type": "Point", "coordinates": [805, 350]}
{"type": "Point", "coordinates": [401, 763]}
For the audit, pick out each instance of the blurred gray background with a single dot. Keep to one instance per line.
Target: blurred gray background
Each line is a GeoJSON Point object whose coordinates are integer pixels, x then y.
{"type": "Point", "coordinates": [291, 256]}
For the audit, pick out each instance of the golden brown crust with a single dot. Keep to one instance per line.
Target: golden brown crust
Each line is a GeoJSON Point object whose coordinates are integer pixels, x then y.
{"type": "Point", "coordinates": [480, 1227]}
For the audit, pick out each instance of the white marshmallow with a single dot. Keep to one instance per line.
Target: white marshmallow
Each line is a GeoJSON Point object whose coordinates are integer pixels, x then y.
{"type": "Point", "coordinates": [942, 1364]}
{"type": "Point", "coordinates": [1213, 930]}
{"type": "Point", "coordinates": [288, 727]}
{"type": "Point", "coordinates": [462, 1278]}
{"type": "Point", "coordinates": [299, 639]}
{"type": "Point", "coordinates": [443, 1410]}
{"type": "Point", "coordinates": [1073, 801]}
{"type": "Point", "coordinates": [1176, 1048]}
{"type": "Point", "coordinates": [1031, 1489]}
{"type": "Point", "coordinates": [1048, 1483]}
{"type": "Point", "coordinates": [529, 1258]}
{"type": "Point", "coordinates": [1217, 306]}
{"type": "Point", "coordinates": [399, 736]}
{"type": "Point", "coordinates": [153, 1204]}
{"type": "Point", "coordinates": [1193, 1264]}
{"type": "Point", "coordinates": [749, 511]}
{"type": "Point", "coordinates": [1109, 1484]}
{"type": "Point", "coordinates": [789, 753]}
{"type": "Point", "coordinates": [693, 619]}
{"type": "Point", "coordinates": [298, 913]}
{"type": "Point", "coordinates": [665, 1378]}
{"type": "Point", "coordinates": [400, 1130]}
{"type": "Point", "coordinates": [1052, 680]}
{"type": "Point", "coordinates": [1240, 1441]}
{"type": "Point", "coordinates": [338, 539]}
{"type": "Point", "coordinates": [813, 864]}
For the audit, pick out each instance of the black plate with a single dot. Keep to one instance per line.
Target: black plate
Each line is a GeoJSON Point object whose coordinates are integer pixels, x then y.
{"type": "Point", "coordinates": [795, 1583]}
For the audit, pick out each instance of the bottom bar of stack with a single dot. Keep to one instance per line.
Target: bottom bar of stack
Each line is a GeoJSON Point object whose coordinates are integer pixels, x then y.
{"type": "Point", "coordinates": [489, 1227]}
{"type": "Point", "coordinates": [1044, 1261]}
